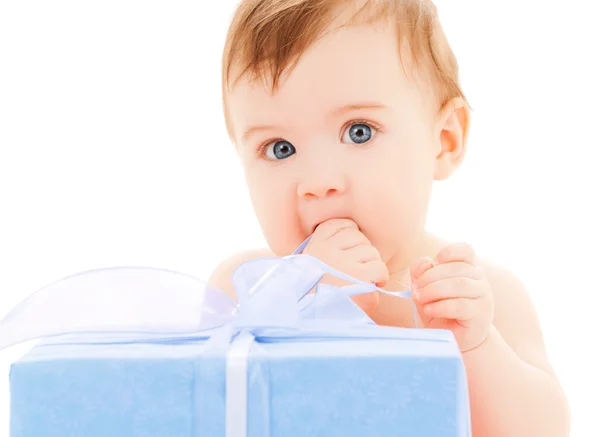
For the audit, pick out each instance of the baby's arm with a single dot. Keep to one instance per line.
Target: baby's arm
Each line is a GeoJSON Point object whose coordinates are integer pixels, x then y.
{"type": "Point", "coordinates": [221, 276]}
{"type": "Point", "coordinates": [512, 386]}
{"type": "Point", "coordinates": [513, 389]}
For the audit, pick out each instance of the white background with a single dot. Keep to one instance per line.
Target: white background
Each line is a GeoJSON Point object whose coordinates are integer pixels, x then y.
{"type": "Point", "coordinates": [113, 152]}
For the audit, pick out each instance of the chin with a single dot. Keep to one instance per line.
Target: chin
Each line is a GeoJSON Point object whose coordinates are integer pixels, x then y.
{"type": "Point", "coordinates": [384, 245]}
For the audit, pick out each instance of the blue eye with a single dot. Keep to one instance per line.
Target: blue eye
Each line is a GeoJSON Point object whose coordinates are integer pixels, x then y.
{"type": "Point", "coordinates": [280, 150]}
{"type": "Point", "coordinates": [358, 133]}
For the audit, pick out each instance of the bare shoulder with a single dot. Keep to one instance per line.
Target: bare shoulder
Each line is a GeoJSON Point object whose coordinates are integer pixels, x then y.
{"type": "Point", "coordinates": [515, 315]}
{"type": "Point", "coordinates": [221, 276]}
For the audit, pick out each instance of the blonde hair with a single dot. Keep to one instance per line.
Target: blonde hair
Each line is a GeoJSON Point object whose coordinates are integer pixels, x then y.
{"type": "Point", "coordinates": [266, 38]}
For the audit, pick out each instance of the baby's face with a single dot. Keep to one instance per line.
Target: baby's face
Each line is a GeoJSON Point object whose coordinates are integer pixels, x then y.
{"type": "Point", "coordinates": [347, 135]}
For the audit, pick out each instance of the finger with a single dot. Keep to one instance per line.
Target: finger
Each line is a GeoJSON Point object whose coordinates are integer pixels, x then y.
{"type": "Point", "coordinates": [364, 253]}
{"type": "Point", "coordinates": [449, 288]}
{"type": "Point", "coordinates": [420, 266]}
{"type": "Point", "coordinates": [348, 238]}
{"type": "Point", "coordinates": [374, 272]}
{"type": "Point", "coordinates": [454, 309]}
{"type": "Point", "coordinates": [329, 228]}
{"type": "Point", "coordinates": [457, 252]}
{"type": "Point", "coordinates": [447, 271]}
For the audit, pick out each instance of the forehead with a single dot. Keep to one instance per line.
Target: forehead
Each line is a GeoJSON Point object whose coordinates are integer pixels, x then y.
{"type": "Point", "coordinates": [349, 65]}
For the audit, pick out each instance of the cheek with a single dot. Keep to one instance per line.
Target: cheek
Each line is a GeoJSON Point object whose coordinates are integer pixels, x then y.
{"type": "Point", "coordinates": [275, 208]}
{"type": "Point", "coordinates": [396, 196]}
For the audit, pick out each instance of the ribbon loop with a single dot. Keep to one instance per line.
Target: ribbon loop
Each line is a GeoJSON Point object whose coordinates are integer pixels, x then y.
{"type": "Point", "coordinates": [267, 283]}
{"type": "Point", "coordinates": [273, 292]}
{"type": "Point", "coordinates": [274, 301]}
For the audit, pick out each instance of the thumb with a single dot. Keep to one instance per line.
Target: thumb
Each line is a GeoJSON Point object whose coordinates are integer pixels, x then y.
{"type": "Point", "coordinates": [419, 267]}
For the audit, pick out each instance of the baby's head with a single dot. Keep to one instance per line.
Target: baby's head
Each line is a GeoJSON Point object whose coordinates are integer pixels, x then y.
{"type": "Point", "coordinates": [343, 109]}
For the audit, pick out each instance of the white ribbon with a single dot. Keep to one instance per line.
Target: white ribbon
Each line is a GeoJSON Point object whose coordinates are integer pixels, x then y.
{"type": "Point", "coordinates": [236, 386]}
{"type": "Point", "coordinates": [147, 305]}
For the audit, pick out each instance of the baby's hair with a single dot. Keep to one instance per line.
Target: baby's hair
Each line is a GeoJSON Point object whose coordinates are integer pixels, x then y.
{"type": "Point", "coordinates": [266, 38]}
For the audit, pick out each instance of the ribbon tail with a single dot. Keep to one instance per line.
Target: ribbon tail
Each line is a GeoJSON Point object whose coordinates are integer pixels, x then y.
{"type": "Point", "coordinates": [405, 295]}
{"type": "Point", "coordinates": [268, 277]}
{"type": "Point", "coordinates": [332, 303]}
{"type": "Point", "coordinates": [117, 300]}
{"type": "Point", "coordinates": [359, 287]}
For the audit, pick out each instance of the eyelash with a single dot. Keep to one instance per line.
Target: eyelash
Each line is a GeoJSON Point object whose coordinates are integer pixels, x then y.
{"type": "Point", "coordinates": [372, 125]}
{"type": "Point", "coordinates": [263, 146]}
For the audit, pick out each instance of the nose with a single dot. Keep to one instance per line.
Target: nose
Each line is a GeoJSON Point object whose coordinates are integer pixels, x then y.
{"type": "Point", "coordinates": [322, 184]}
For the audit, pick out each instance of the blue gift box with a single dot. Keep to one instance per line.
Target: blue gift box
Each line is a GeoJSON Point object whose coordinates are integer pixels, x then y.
{"type": "Point", "coordinates": [319, 375]}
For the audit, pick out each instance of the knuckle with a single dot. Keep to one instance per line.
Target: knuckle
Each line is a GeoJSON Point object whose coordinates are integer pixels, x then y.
{"type": "Point", "coordinates": [342, 222]}
{"type": "Point", "coordinates": [445, 253]}
{"type": "Point", "coordinates": [429, 293]}
{"type": "Point", "coordinates": [364, 238]}
{"type": "Point", "coordinates": [349, 231]}
{"type": "Point", "coordinates": [321, 251]}
{"type": "Point", "coordinates": [320, 228]}
{"type": "Point", "coordinates": [344, 235]}
{"type": "Point", "coordinates": [448, 254]}
{"type": "Point", "coordinates": [469, 252]}
{"type": "Point", "coordinates": [423, 270]}
{"type": "Point", "coordinates": [366, 254]}
{"type": "Point", "coordinates": [312, 248]}
{"type": "Point", "coordinates": [376, 271]}
{"type": "Point", "coordinates": [456, 250]}
{"type": "Point", "coordinates": [332, 225]}
{"type": "Point", "coordinates": [373, 252]}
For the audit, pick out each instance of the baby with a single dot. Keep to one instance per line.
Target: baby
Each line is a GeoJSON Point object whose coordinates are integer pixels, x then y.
{"type": "Point", "coordinates": [344, 113]}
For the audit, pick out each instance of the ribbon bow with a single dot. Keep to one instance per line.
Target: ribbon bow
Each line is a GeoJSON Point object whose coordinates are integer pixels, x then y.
{"type": "Point", "coordinates": [142, 304]}
{"type": "Point", "coordinates": [148, 303]}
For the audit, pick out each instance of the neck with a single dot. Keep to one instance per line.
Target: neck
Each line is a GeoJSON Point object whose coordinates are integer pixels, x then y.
{"type": "Point", "coordinates": [425, 245]}
{"type": "Point", "coordinates": [393, 311]}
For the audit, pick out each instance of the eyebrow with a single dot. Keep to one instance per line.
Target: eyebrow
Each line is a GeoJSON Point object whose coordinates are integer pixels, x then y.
{"type": "Point", "coordinates": [357, 107]}
{"type": "Point", "coordinates": [255, 129]}
{"type": "Point", "coordinates": [335, 113]}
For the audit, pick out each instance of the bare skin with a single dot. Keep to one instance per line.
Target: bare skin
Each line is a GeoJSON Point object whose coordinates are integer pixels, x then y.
{"type": "Point", "coordinates": [511, 362]}
{"type": "Point", "coordinates": [352, 158]}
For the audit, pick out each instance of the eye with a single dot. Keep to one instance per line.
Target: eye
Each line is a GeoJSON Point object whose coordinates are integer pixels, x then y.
{"type": "Point", "coordinates": [358, 133]}
{"type": "Point", "coordinates": [279, 150]}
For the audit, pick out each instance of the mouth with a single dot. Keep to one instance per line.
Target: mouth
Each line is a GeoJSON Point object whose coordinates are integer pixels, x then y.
{"type": "Point", "coordinates": [319, 223]}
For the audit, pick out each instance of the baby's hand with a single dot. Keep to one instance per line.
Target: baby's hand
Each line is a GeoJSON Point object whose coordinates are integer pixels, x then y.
{"type": "Point", "coordinates": [452, 292]}
{"type": "Point", "coordinates": [341, 245]}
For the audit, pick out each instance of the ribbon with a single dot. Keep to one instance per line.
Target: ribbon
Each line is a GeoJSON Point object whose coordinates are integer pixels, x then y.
{"type": "Point", "coordinates": [275, 303]}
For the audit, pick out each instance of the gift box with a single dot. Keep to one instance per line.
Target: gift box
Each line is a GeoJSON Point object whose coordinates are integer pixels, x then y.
{"type": "Point", "coordinates": [147, 352]}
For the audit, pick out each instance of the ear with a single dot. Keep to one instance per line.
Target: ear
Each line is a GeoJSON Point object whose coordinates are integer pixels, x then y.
{"type": "Point", "coordinates": [451, 132]}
